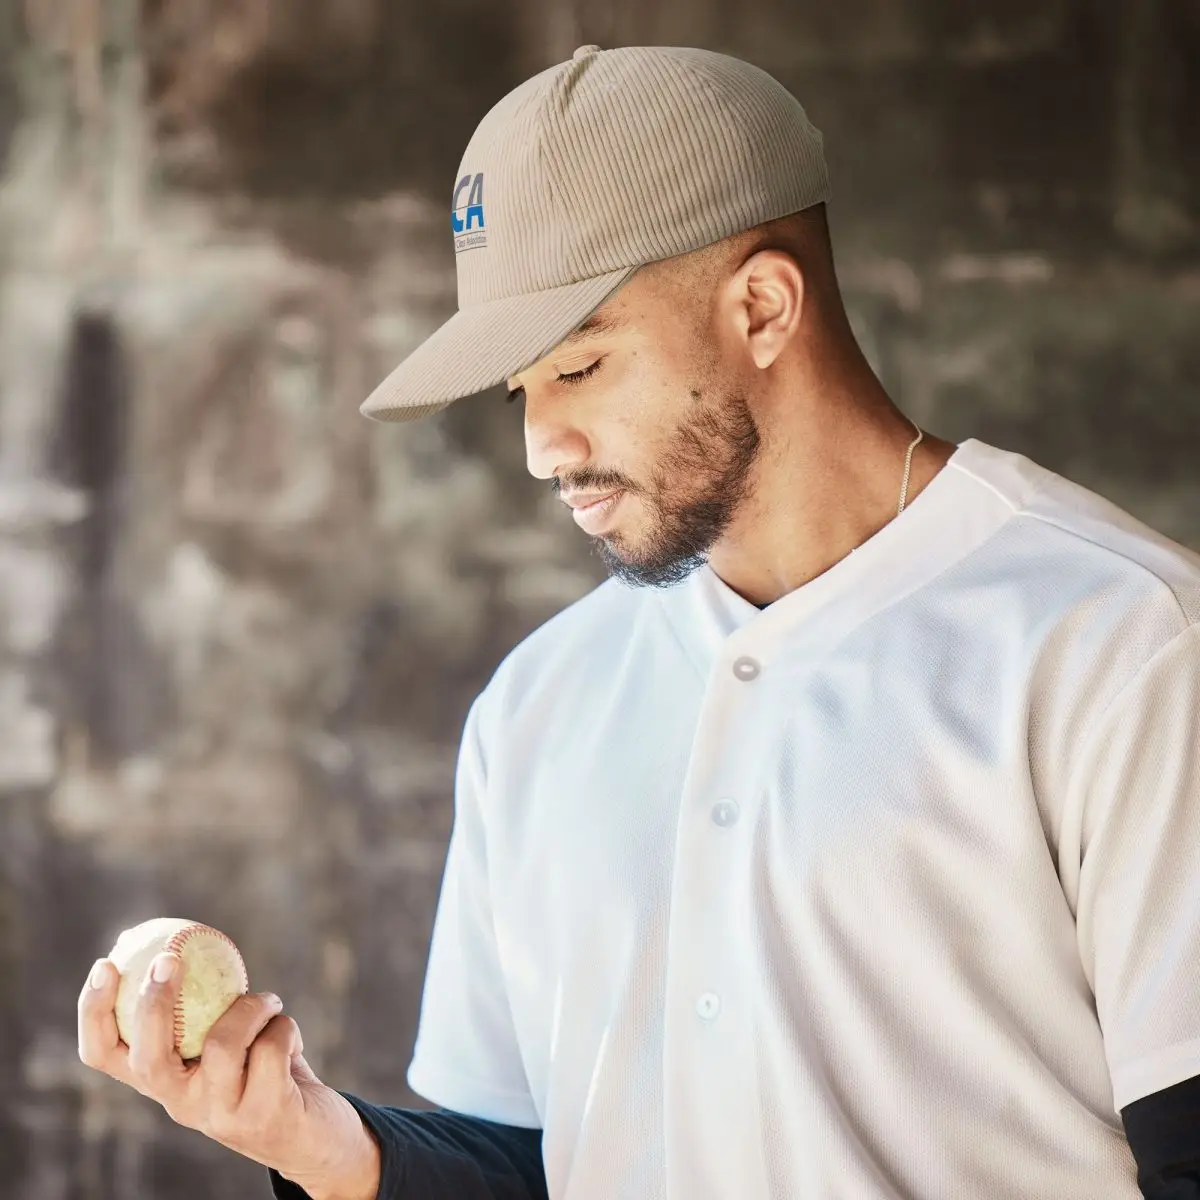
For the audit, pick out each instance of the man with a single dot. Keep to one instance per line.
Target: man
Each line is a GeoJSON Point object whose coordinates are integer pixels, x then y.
{"type": "Point", "coordinates": [844, 844]}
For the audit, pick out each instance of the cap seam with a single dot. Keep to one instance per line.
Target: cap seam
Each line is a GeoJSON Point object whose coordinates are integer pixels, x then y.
{"type": "Point", "coordinates": [551, 176]}
{"type": "Point", "coordinates": [554, 287]}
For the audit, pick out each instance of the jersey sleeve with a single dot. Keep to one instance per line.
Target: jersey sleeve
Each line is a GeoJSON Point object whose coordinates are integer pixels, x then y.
{"type": "Point", "coordinates": [439, 1153]}
{"type": "Point", "coordinates": [467, 1056]}
{"type": "Point", "coordinates": [1138, 920]}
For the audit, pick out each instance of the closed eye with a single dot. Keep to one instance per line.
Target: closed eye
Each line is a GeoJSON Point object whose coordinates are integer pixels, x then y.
{"type": "Point", "coordinates": [569, 377]}
{"type": "Point", "coordinates": [576, 376]}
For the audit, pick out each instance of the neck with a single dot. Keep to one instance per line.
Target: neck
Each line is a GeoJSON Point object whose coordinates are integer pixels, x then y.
{"type": "Point", "coordinates": [827, 479]}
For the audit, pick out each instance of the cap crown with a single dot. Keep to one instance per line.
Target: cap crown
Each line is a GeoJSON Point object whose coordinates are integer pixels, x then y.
{"type": "Point", "coordinates": [622, 157]}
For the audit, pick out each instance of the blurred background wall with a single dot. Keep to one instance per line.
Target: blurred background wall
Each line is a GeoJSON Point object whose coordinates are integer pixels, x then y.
{"type": "Point", "coordinates": [240, 625]}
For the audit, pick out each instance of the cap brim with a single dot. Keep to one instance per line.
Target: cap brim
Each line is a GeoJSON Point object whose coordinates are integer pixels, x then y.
{"type": "Point", "coordinates": [485, 344]}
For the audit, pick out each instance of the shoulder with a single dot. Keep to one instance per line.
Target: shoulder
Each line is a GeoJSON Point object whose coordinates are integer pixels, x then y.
{"type": "Point", "coordinates": [1095, 594]}
{"type": "Point", "coordinates": [1084, 551]}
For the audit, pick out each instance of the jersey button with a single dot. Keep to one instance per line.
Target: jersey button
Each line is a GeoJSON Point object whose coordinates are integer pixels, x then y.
{"type": "Point", "coordinates": [725, 812]}
{"type": "Point", "coordinates": [708, 1005]}
{"type": "Point", "coordinates": [745, 668]}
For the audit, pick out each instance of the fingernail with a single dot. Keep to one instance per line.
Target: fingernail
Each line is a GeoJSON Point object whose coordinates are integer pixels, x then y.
{"type": "Point", "coordinates": [99, 973]}
{"type": "Point", "coordinates": [273, 1001]}
{"type": "Point", "coordinates": [164, 967]}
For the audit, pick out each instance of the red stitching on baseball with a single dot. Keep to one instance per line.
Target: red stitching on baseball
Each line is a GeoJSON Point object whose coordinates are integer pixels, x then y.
{"type": "Point", "coordinates": [175, 946]}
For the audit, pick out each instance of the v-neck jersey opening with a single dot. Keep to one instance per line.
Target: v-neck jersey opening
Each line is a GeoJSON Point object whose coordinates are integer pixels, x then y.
{"type": "Point", "coordinates": [955, 512]}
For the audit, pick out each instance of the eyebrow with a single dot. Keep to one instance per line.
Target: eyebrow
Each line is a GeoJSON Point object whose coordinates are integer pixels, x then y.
{"type": "Point", "coordinates": [596, 323]}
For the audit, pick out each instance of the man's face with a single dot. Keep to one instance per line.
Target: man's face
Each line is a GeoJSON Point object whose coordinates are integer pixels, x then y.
{"type": "Point", "coordinates": [641, 404]}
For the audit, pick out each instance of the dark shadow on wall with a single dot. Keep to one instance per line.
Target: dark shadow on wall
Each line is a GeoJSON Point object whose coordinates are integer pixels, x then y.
{"type": "Point", "coordinates": [117, 696]}
{"type": "Point", "coordinates": [9, 99]}
{"type": "Point", "coordinates": [327, 101]}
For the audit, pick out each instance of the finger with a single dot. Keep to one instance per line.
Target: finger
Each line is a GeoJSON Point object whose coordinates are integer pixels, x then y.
{"type": "Point", "coordinates": [154, 1061]}
{"type": "Point", "coordinates": [269, 1067]}
{"type": "Point", "coordinates": [100, 1044]}
{"type": "Point", "coordinates": [224, 1056]}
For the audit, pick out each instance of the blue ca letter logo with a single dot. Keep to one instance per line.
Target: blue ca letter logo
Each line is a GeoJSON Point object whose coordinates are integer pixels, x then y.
{"type": "Point", "coordinates": [472, 206]}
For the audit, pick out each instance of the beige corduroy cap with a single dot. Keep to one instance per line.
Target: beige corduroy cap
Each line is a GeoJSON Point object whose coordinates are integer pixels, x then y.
{"type": "Point", "coordinates": [582, 174]}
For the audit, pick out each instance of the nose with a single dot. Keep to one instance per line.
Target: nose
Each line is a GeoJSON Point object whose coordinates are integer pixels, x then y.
{"type": "Point", "coordinates": [552, 445]}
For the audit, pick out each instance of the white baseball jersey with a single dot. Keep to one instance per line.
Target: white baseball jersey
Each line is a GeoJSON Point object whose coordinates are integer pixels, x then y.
{"type": "Point", "coordinates": [887, 891]}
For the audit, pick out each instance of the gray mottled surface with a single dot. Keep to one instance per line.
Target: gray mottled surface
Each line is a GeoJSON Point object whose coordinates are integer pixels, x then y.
{"type": "Point", "coordinates": [240, 626]}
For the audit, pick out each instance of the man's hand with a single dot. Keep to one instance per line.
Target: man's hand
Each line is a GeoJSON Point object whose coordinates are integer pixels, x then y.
{"type": "Point", "coordinates": [251, 1091]}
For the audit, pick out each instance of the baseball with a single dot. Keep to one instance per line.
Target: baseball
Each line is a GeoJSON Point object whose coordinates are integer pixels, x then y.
{"type": "Point", "coordinates": [214, 976]}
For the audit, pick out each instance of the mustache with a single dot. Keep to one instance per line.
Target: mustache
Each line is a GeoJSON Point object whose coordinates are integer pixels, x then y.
{"type": "Point", "coordinates": [591, 483]}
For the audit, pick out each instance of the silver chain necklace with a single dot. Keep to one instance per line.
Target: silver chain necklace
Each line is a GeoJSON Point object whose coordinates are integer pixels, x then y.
{"type": "Point", "coordinates": [907, 466]}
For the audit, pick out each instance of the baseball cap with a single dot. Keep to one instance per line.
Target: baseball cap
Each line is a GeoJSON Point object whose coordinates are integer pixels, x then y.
{"type": "Point", "coordinates": [581, 175]}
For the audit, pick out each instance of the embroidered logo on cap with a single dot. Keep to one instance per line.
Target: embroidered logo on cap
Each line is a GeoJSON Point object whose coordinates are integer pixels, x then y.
{"type": "Point", "coordinates": [466, 214]}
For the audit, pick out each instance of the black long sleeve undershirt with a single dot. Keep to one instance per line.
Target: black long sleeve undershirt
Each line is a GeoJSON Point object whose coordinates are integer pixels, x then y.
{"type": "Point", "coordinates": [442, 1155]}
{"type": "Point", "coordinates": [435, 1154]}
{"type": "Point", "coordinates": [1163, 1131]}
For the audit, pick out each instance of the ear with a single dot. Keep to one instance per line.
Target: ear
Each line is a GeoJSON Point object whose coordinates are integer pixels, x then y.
{"type": "Point", "coordinates": [768, 296]}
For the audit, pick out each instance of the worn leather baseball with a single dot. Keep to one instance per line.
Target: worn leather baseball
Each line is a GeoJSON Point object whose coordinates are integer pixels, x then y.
{"type": "Point", "coordinates": [214, 976]}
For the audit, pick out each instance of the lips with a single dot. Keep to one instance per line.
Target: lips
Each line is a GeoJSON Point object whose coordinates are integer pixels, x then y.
{"type": "Point", "coordinates": [584, 501]}
{"type": "Point", "coordinates": [591, 518]}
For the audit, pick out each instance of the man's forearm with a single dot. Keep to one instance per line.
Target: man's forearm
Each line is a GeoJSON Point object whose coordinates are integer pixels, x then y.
{"type": "Point", "coordinates": [439, 1155]}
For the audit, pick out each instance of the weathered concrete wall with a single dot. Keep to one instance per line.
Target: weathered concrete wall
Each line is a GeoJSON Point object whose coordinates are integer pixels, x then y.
{"type": "Point", "coordinates": [240, 626]}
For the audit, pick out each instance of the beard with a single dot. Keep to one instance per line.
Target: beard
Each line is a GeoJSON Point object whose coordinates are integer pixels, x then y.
{"type": "Point", "coordinates": [701, 480]}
